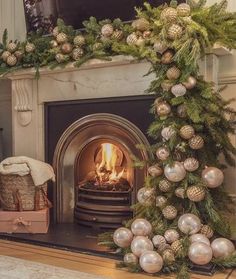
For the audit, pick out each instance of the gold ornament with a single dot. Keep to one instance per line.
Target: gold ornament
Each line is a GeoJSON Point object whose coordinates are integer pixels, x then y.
{"type": "Point", "coordinates": [147, 34]}
{"type": "Point", "coordinates": [207, 231]}
{"type": "Point", "coordinates": [118, 35]}
{"type": "Point", "coordinates": [168, 256]}
{"type": "Point", "coordinates": [61, 38]}
{"type": "Point", "coordinates": [178, 90]}
{"type": "Point", "coordinates": [141, 24]}
{"type": "Point", "coordinates": [166, 85]}
{"type": "Point", "coordinates": [77, 53]}
{"type": "Point", "coordinates": [171, 235]}
{"type": "Point", "coordinates": [159, 47]}
{"type": "Point", "coordinates": [60, 57]}
{"type": "Point", "coordinates": [163, 109]}
{"type": "Point", "coordinates": [53, 43]}
{"type": "Point", "coordinates": [163, 247]}
{"type": "Point", "coordinates": [191, 164]}
{"type": "Point", "coordinates": [66, 48]}
{"type": "Point", "coordinates": [161, 201]}
{"type": "Point", "coordinates": [5, 55]}
{"type": "Point", "coordinates": [167, 57]}
{"type": "Point", "coordinates": [107, 30]}
{"type": "Point", "coordinates": [18, 54]}
{"type": "Point", "coordinates": [165, 186]}
{"type": "Point", "coordinates": [196, 193]}
{"type": "Point", "coordinates": [169, 212]}
{"type": "Point", "coordinates": [177, 246]}
{"type": "Point", "coordinates": [11, 60]}
{"type": "Point", "coordinates": [55, 31]}
{"type": "Point", "coordinates": [158, 240]}
{"type": "Point", "coordinates": [190, 83]}
{"type": "Point", "coordinates": [186, 132]}
{"type": "Point", "coordinates": [174, 32]}
{"type": "Point", "coordinates": [169, 14]}
{"type": "Point", "coordinates": [173, 73]}
{"type": "Point", "coordinates": [183, 9]}
{"type": "Point", "coordinates": [132, 39]}
{"type": "Point", "coordinates": [155, 170]}
{"type": "Point", "coordinates": [182, 111]}
{"type": "Point", "coordinates": [12, 47]}
{"type": "Point", "coordinates": [196, 142]}
{"type": "Point", "coordinates": [79, 40]}
{"type": "Point", "coordinates": [180, 192]}
{"type": "Point", "coordinates": [29, 47]}
{"type": "Point", "coordinates": [162, 153]}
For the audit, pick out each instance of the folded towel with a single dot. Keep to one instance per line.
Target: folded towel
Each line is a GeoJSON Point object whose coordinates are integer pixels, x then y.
{"type": "Point", "coordinates": [40, 171]}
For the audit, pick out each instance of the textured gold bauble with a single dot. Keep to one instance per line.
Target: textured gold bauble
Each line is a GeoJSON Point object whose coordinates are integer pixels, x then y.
{"type": "Point", "coordinates": [18, 54]}
{"type": "Point", "coordinates": [167, 57]}
{"type": "Point", "coordinates": [66, 48]}
{"type": "Point", "coordinates": [155, 170]}
{"type": "Point", "coordinates": [174, 32]}
{"type": "Point", "coordinates": [182, 111]}
{"type": "Point", "coordinates": [190, 83]}
{"type": "Point", "coordinates": [61, 38]}
{"type": "Point", "coordinates": [168, 256]}
{"type": "Point", "coordinates": [166, 85]}
{"type": "Point", "coordinates": [183, 9]}
{"type": "Point", "coordinates": [5, 55]}
{"type": "Point", "coordinates": [60, 57]}
{"type": "Point", "coordinates": [77, 53]}
{"type": "Point", "coordinates": [79, 40]}
{"type": "Point", "coordinates": [196, 142]}
{"type": "Point", "coordinates": [177, 246]}
{"type": "Point", "coordinates": [132, 39]}
{"type": "Point", "coordinates": [180, 192]}
{"type": "Point", "coordinates": [196, 193]}
{"type": "Point", "coordinates": [107, 30]}
{"type": "Point", "coordinates": [12, 47]}
{"type": "Point", "coordinates": [118, 35]}
{"type": "Point", "coordinates": [171, 235]}
{"type": "Point", "coordinates": [207, 231]}
{"type": "Point", "coordinates": [141, 24]}
{"type": "Point", "coordinates": [30, 47]}
{"type": "Point", "coordinates": [165, 186]}
{"type": "Point", "coordinates": [173, 73]}
{"type": "Point", "coordinates": [159, 47]}
{"type": "Point", "coordinates": [169, 212]}
{"type": "Point", "coordinates": [53, 43]}
{"type": "Point", "coordinates": [186, 132]}
{"type": "Point", "coordinates": [11, 60]}
{"type": "Point", "coordinates": [55, 31]}
{"type": "Point", "coordinates": [191, 164]}
{"type": "Point", "coordinates": [163, 109]}
{"type": "Point", "coordinates": [169, 14]}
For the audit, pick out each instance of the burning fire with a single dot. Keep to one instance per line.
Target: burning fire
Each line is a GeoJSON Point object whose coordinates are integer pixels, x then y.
{"type": "Point", "coordinates": [106, 171]}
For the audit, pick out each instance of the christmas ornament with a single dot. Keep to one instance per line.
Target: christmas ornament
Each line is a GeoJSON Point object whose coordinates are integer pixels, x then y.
{"type": "Point", "coordinates": [60, 57]}
{"type": "Point", "coordinates": [140, 42]}
{"type": "Point", "coordinates": [183, 9]}
{"type": "Point", "coordinates": [200, 253]}
{"type": "Point", "coordinates": [182, 111]}
{"type": "Point", "coordinates": [199, 238]}
{"type": "Point", "coordinates": [79, 40]}
{"type": "Point", "coordinates": [141, 24]}
{"type": "Point", "coordinates": [196, 193]}
{"type": "Point", "coordinates": [118, 35]}
{"type": "Point", "coordinates": [180, 192]}
{"type": "Point", "coordinates": [162, 153]}
{"type": "Point", "coordinates": [11, 60]}
{"type": "Point", "coordinates": [97, 46]}
{"type": "Point", "coordinates": [171, 235]}
{"type": "Point", "coordinates": [174, 32]}
{"type": "Point", "coordinates": [145, 195]}
{"type": "Point", "coordinates": [5, 55]}
{"type": "Point", "coordinates": [222, 247]}
{"type": "Point", "coordinates": [151, 262]}
{"type": "Point", "coordinates": [166, 85]}
{"type": "Point", "coordinates": [173, 73]}
{"type": "Point", "coordinates": [213, 177]}
{"type": "Point", "coordinates": [169, 212]}
{"type": "Point", "coordinates": [165, 186]}
{"type": "Point", "coordinates": [186, 132]}
{"type": "Point", "coordinates": [191, 164]}
{"type": "Point", "coordinates": [207, 231]}
{"type": "Point", "coordinates": [160, 201]}
{"type": "Point", "coordinates": [178, 90]}
{"type": "Point", "coordinates": [18, 54]}
{"type": "Point", "coordinates": [141, 244]}
{"type": "Point", "coordinates": [189, 223]}
{"type": "Point", "coordinates": [53, 43]}
{"type": "Point", "coordinates": [107, 30]}
{"type": "Point", "coordinates": [61, 38]}
{"type": "Point", "coordinates": [177, 246]}
{"type": "Point", "coordinates": [167, 132]}
{"type": "Point", "coordinates": [29, 47]}
{"type": "Point", "coordinates": [55, 31]}
{"type": "Point", "coordinates": [175, 172]}
{"type": "Point", "coordinates": [190, 83]}
{"type": "Point", "coordinates": [169, 14]}
{"type": "Point", "coordinates": [141, 227]}
{"type": "Point", "coordinates": [196, 142]}
{"type": "Point", "coordinates": [167, 57]}
{"type": "Point", "coordinates": [155, 170]}
{"type": "Point", "coordinates": [77, 53]}
{"type": "Point", "coordinates": [122, 237]}
{"type": "Point", "coordinates": [147, 34]}
{"type": "Point", "coordinates": [158, 240]}
{"type": "Point", "coordinates": [168, 256]}
{"type": "Point", "coordinates": [163, 247]}
{"type": "Point", "coordinates": [11, 47]}
{"type": "Point", "coordinates": [66, 48]}
{"type": "Point", "coordinates": [159, 47]}
{"type": "Point", "coordinates": [130, 258]}
{"type": "Point", "coordinates": [132, 39]}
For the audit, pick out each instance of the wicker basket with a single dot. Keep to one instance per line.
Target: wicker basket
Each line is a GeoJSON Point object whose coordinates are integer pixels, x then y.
{"type": "Point", "coordinates": [18, 193]}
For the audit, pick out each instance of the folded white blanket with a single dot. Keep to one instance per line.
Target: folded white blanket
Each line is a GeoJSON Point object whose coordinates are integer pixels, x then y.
{"type": "Point", "coordinates": [40, 172]}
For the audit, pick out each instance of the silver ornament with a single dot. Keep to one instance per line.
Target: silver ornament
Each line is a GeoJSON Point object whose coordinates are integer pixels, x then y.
{"type": "Point", "coordinates": [169, 212]}
{"type": "Point", "coordinates": [107, 30]}
{"type": "Point", "coordinates": [159, 47]}
{"type": "Point", "coordinates": [173, 73]}
{"type": "Point", "coordinates": [198, 237]}
{"type": "Point", "coordinates": [158, 240]}
{"type": "Point", "coordinates": [222, 247]}
{"type": "Point", "coordinates": [190, 83]}
{"type": "Point", "coordinates": [196, 142]}
{"type": "Point", "coordinates": [178, 90]}
{"type": "Point", "coordinates": [180, 192]}
{"type": "Point", "coordinates": [151, 262]}
{"type": "Point", "coordinates": [175, 172]}
{"type": "Point", "coordinates": [189, 223]}
{"type": "Point", "coordinates": [200, 253]}
{"type": "Point", "coordinates": [183, 9]}
{"type": "Point", "coordinates": [213, 177]}
{"type": "Point", "coordinates": [165, 186]}
{"type": "Point", "coordinates": [186, 132]}
{"type": "Point", "coordinates": [162, 153]}
{"type": "Point", "coordinates": [191, 164]}
{"type": "Point", "coordinates": [182, 111]}
{"type": "Point", "coordinates": [132, 39]}
{"type": "Point", "coordinates": [155, 170]}
{"type": "Point", "coordinates": [130, 258]}
{"type": "Point", "coordinates": [168, 132]}
{"type": "Point", "coordinates": [163, 108]}
{"type": "Point", "coordinates": [141, 227]}
{"type": "Point", "coordinates": [145, 195]}
{"type": "Point", "coordinates": [160, 201]}
{"type": "Point", "coordinates": [171, 235]}
{"type": "Point", "coordinates": [122, 237]}
{"type": "Point", "coordinates": [141, 244]}
{"type": "Point", "coordinates": [174, 32]}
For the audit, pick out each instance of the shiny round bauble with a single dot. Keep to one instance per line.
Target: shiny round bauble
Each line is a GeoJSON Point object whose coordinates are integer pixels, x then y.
{"type": "Point", "coordinates": [155, 171]}
{"type": "Point", "coordinates": [191, 164]}
{"type": "Point", "coordinates": [200, 253]}
{"type": "Point", "coordinates": [167, 133]}
{"type": "Point", "coordinates": [166, 85]}
{"type": "Point", "coordinates": [30, 47]}
{"type": "Point", "coordinates": [196, 142]}
{"type": "Point", "coordinates": [175, 172]}
{"type": "Point", "coordinates": [5, 55]}
{"type": "Point", "coordinates": [196, 193]}
{"type": "Point", "coordinates": [147, 34]}
{"type": "Point", "coordinates": [122, 237]}
{"type": "Point", "coordinates": [169, 212]}
{"type": "Point", "coordinates": [55, 31]}
{"type": "Point", "coordinates": [130, 258]}
{"type": "Point", "coordinates": [165, 186]}
{"type": "Point", "coordinates": [180, 192]}
{"type": "Point", "coordinates": [177, 246]}
{"type": "Point", "coordinates": [79, 40]}
{"type": "Point", "coordinates": [163, 109]}
{"type": "Point", "coordinates": [169, 14]}
{"type": "Point", "coordinates": [61, 38]}
{"type": "Point", "coordinates": [107, 30]}
{"type": "Point", "coordinates": [174, 32]}
{"type": "Point", "coordinates": [66, 48]}
{"type": "Point", "coordinates": [161, 201]}
{"type": "Point", "coordinates": [77, 53]}
{"type": "Point", "coordinates": [18, 54]}
{"type": "Point", "coordinates": [190, 83]}
{"type": "Point", "coordinates": [140, 42]}
{"type": "Point", "coordinates": [151, 262]}
{"type": "Point", "coordinates": [173, 73]}
{"type": "Point", "coordinates": [167, 57]}
{"type": "Point", "coordinates": [168, 256]}
{"type": "Point", "coordinates": [118, 35]}
{"type": "Point", "coordinates": [178, 90]}
{"type": "Point", "coordinates": [145, 196]}
{"type": "Point", "coordinates": [12, 47]}
{"type": "Point", "coordinates": [11, 60]}
{"type": "Point", "coordinates": [141, 227]}
{"type": "Point", "coordinates": [162, 153]}
{"type": "Point", "coordinates": [207, 231]}
{"type": "Point", "coordinates": [132, 39]}
{"type": "Point", "coordinates": [60, 57]}
{"type": "Point", "coordinates": [159, 47]}
{"type": "Point", "coordinates": [222, 247]}
{"type": "Point", "coordinates": [53, 43]}
{"type": "Point", "coordinates": [141, 244]}
{"type": "Point", "coordinates": [141, 24]}
{"type": "Point", "coordinates": [171, 235]}
{"type": "Point", "coordinates": [213, 177]}
{"type": "Point", "coordinates": [182, 111]}
{"type": "Point", "coordinates": [186, 132]}
{"type": "Point", "coordinates": [189, 223]}
{"type": "Point", "coordinates": [198, 237]}
{"type": "Point", "coordinates": [158, 240]}
{"type": "Point", "coordinates": [183, 9]}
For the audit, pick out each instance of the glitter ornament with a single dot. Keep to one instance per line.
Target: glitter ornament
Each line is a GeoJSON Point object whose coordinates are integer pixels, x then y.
{"type": "Point", "coordinates": [118, 35]}
{"type": "Point", "coordinates": [132, 39]}
{"type": "Point", "coordinates": [191, 164]}
{"type": "Point", "coordinates": [61, 38]}
{"type": "Point", "coordinates": [77, 53]}
{"type": "Point", "coordinates": [178, 90]}
{"type": "Point", "coordinates": [159, 47]}
{"type": "Point", "coordinates": [66, 48]}
{"type": "Point", "coordinates": [169, 212]}
{"type": "Point", "coordinates": [29, 47]}
{"type": "Point", "coordinates": [141, 24]}
{"type": "Point", "coordinates": [166, 85]}
{"type": "Point", "coordinates": [171, 235]}
{"type": "Point", "coordinates": [180, 192]}
{"type": "Point", "coordinates": [173, 73]}
{"type": "Point", "coordinates": [168, 256]}
{"type": "Point", "coordinates": [182, 111]}
{"type": "Point", "coordinates": [11, 60]}
{"type": "Point", "coordinates": [165, 186]}
{"type": "Point", "coordinates": [174, 32]}
{"type": "Point", "coordinates": [177, 246]}
{"type": "Point", "coordinates": [196, 193]}
{"type": "Point", "coordinates": [183, 9]}
{"type": "Point", "coordinates": [169, 14]}
{"type": "Point", "coordinates": [5, 55]}
{"type": "Point", "coordinates": [79, 40]}
{"type": "Point", "coordinates": [161, 201]}
{"type": "Point", "coordinates": [167, 57]}
{"type": "Point", "coordinates": [190, 83]}
{"type": "Point", "coordinates": [167, 133]}
{"type": "Point", "coordinates": [186, 132]}
{"type": "Point", "coordinates": [207, 231]}
{"type": "Point", "coordinates": [11, 47]}
{"type": "Point", "coordinates": [107, 30]}
{"type": "Point", "coordinates": [196, 142]}
{"type": "Point", "coordinates": [155, 170]}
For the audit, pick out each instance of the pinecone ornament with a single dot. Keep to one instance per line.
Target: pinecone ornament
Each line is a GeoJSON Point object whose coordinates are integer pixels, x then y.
{"type": "Point", "coordinates": [169, 212]}
{"type": "Point", "coordinates": [183, 9]}
{"type": "Point", "coordinates": [132, 39]}
{"type": "Point", "coordinates": [53, 43]}
{"type": "Point", "coordinates": [107, 30]}
{"type": "Point", "coordinates": [173, 73]}
{"type": "Point", "coordinates": [5, 55]}
{"type": "Point", "coordinates": [141, 24]}
{"type": "Point", "coordinates": [118, 35]}
{"type": "Point", "coordinates": [11, 60]}
{"type": "Point", "coordinates": [167, 57]}
{"type": "Point", "coordinates": [174, 32]}
{"type": "Point", "coordinates": [61, 38]}
{"type": "Point", "coordinates": [166, 85]}
{"type": "Point", "coordinates": [186, 132]}
{"type": "Point", "coordinates": [160, 47]}
{"type": "Point", "coordinates": [196, 142]}
{"type": "Point", "coordinates": [182, 111]}
{"type": "Point", "coordinates": [55, 31]}
{"type": "Point", "coordinates": [11, 47]}
{"type": "Point", "coordinates": [165, 186]}
{"type": "Point", "coordinates": [196, 193]}
{"type": "Point", "coordinates": [66, 48]}
{"type": "Point", "coordinates": [207, 231]}
{"type": "Point", "coordinates": [168, 256]}
{"type": "Point", "coordinates": [30, 47]}
{"type": "Point", "coordinates": [79, 40]}
{"type": "Point", "coordinates": [169, 14]}
{"type": "Point", "coordinates": [178, 90]}
{"type": "Point", "coordinates": [158, 240]}
{"type": "Point", "coordinates": [77, 53]}
{"type": "Point", "coordinates": [180, 192]}
{"type": "Point", "coordinates": [191, 164]}
{"type": "Point", "coordinates": [60, 57]}
{"type": "Point", "coordinates": [177, 246]}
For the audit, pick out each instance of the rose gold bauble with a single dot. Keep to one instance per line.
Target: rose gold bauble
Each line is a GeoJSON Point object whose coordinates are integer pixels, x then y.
{"type": "Point", "coordinates": [189, 223]}
{"type": "Point", "coordinates": [167, 57]}
{"type": "Point", "coordinates": [191, 164]}
{"type": "Point", "coordinates": [141, 244]}
{"type": "Point", "coordinates": [122, 237]}
{"type": "Point", "coordinates": [66, 48]}
{"type": "Point", "coordinates": [162, 153]}
{"type": "Point", "coordinates": [151, 262]}
{"type": "Point", "coordinates": [118, 35]}
{"type": "Point", "coordinates": [161, 201]}
{"type": "Point", "coordinates": [171, 235]}
{"type": "Point", "coordinates": [182, 111]}
{"type": "Point", "coordinates": [213, 177]}
{"type": "Point", "coordinates": [141, 227]}
{"type": "Point", "coordinates": [159, 47]}
{"type": "Point", "coordinates": [200, 253]}
{"type": "Point", "coordinates": [186, 132]}
{"type": "Point", "coordinates": [163, 109]}
{"type": "Point", "coordinates": [145, 195]}
{"type": "Point", "coordinates": [158, 240]}
{"type": "Point", "coordinates": [222, 247]}
{"type": "Point", "coordinates": [130, 258]}
{"type": "Point", "coordinates": [175, 172]}
{"type": "Point", "coordinates": [155, 170]}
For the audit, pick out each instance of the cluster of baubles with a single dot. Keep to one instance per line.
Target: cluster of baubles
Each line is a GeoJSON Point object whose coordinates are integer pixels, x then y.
{"type": "Point", "coordinates": [152, 252]}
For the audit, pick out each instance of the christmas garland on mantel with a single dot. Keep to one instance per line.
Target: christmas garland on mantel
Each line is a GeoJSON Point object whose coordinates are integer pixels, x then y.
{"type": "Point", "coordinates": [180, 206]}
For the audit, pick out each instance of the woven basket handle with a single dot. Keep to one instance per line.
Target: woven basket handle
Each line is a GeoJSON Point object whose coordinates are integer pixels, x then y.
{"type": "Point", "coordinates": [17, 200]}
{"type": "Point", "coordinates": [37, 199]}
